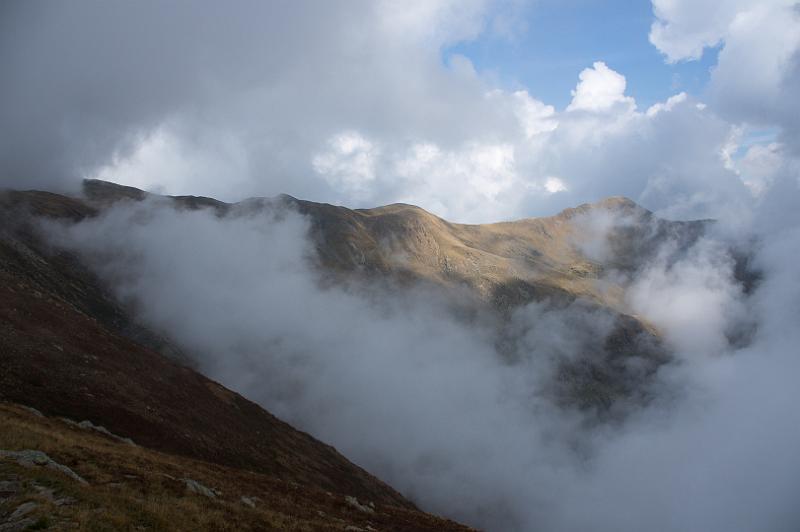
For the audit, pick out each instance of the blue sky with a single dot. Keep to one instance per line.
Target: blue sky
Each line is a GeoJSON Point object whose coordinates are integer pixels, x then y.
{"type": "Point", "coordinates": [562, 37]}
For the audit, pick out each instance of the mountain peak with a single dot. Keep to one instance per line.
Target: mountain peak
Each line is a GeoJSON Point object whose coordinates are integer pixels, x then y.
{"type": "Point", "coordinates": [619, 205]}
{"type": "Point", "coordinates": [616, 202]}
{"type": "Point", "coordinates": [107, 192]}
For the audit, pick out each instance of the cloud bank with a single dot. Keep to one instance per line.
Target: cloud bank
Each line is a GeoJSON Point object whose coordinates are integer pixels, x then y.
{"type": "Point", "coordinates": [362, 103]}
{"type": "Point", "coordinates": [423, 398]}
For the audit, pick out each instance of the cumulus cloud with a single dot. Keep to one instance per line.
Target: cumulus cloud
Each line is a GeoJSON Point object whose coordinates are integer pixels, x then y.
{"type": "Point", "coordinates": [267, 99]}
{"type": "Point", "coordinates": [674, 157]}
{"type": "Point", "coordinates": [756, 77]}
{"type": "Point", "coordinates": [599, 89]}
{"type": "Point", "coordinates": [534, 116]}
{"type": "Point", "coordinates": [683, 30]}
{"type": "Point", "coordinates": [348, 164]}
{"type": "Point", "coordinates": [83, 84]}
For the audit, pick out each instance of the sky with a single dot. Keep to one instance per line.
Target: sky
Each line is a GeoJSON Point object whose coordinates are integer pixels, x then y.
{"type": "Point", "coordinates": [477, 110]}
{"type": "Point", "coordinates": [559, 38]}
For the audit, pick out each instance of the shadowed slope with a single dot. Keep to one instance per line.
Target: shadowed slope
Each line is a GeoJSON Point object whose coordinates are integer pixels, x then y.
{"type": "Point", "coordinates": [69, 350]}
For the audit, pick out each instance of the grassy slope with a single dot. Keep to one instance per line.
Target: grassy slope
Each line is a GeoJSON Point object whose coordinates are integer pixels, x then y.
{"type": "Point", "coordinates": [135, 488]}
{"type": "Point", "coordinates": [68, 350]}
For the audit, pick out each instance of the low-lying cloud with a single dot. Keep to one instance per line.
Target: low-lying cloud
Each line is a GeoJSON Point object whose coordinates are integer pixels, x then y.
{"type": "Point", "coordinates": [424, 399]}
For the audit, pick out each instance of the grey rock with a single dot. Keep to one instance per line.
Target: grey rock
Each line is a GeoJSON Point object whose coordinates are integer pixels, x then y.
{"type": "Point", "coordinates": [22, 510]}
{"type": "Point", "coordinates": [9, 488]}
{"type": "Point", "coordinates": [352, 501]}
{"type": "Point", "coordinates": [88, 425]}
{"type": "Point", "coordinates": [65, 501]}
{"type": "Point", "coordinates": [33, 458]}
{"type": "Point", "coordinates": [196, 487]}
{"type": "Point", "coordinates": [32, 411]}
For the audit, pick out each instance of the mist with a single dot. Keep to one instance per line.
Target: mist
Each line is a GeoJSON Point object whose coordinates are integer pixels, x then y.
{"type": "Point", "coordinates": [422, 397]}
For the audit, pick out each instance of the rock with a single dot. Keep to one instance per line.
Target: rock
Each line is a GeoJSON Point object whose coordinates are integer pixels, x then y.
{"type": "Point", "coordinates": [22, 510]}
{"type": "Point", "coordinates": [352, 501]}
{"type": "Point", "coordinates": [32, 411]}
{"type": "Point", "coordinates": [353, 528]}
{"type": "Point", "coordinates": [32, 458]}
{"type": "Point", "coordinates": [196, 487]}
{"type": "Point", "coordinates": [88, 425]}
{"type": "Point", "coordinates": [8, 488]}
{"type": "Point", "coordinates": [247, 501]}
{"type": "Point", "coordinates": [46, 493]}
{"type": "Point", "coordinates": [65, 501]}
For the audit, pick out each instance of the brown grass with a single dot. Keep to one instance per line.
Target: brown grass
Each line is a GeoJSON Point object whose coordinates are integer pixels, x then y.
{"type": "Point", "coordinates": [133, 488]}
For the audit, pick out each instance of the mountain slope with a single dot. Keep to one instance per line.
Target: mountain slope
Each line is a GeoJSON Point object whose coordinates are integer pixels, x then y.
{"type": "Point", "coordinates": [544, 255]}
{"type": "Point", "coordinates": [127, 487]}
{"type": "Point", "coordinates": [493, 267]}
{"type": "Point", "coordinates": [67, 349]}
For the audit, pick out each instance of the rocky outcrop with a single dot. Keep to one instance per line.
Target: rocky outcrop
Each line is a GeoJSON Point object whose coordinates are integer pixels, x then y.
{"type": "Point", "coordinates": [33, 458]}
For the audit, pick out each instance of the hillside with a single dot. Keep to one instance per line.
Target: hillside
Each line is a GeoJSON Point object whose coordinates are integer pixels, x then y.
{"type": "Point", "coordinates": [505, 264]}
{"type": "Point", "coordinates": [79, 478]}
{"type": "Point", "coordinates": [68, 350]}
{"type": "Point", "coordinates": [492, 269]}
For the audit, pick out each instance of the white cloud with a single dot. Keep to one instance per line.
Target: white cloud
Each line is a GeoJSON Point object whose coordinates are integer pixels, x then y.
{"type": "Point", "coordinates": [163, 156]}
{"type": "Point", "coordinates": [600, 89]}
{"type": "Point", "coordinates": [757, 77]}
{"type": "Point", "coordinates": [467, 184]}
{"type": "Point", "coordinates": [554, 184]}
{"type": "Point", "coordinates": [534, 116]}
{"type": "Point", "coordinates": [668, 105]}
{"type": "Point", "coordinates": [436, 21]}
{"type": "Point", "coordinates": [357, 114]}
{"type": "Point", "coordinates": [760, 165]}
{"type": "Point", "coordinates": [348, 163]}
{"type": "Point", "coordinates": [683, 29]}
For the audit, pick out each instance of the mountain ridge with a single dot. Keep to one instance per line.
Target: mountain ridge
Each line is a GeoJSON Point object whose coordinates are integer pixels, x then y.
{"type": "Point", "coordinates": [494, 268]}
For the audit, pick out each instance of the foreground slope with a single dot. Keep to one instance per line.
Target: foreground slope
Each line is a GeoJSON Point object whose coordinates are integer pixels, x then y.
{"type": "Point", "coordinates": [69, 350]}
{"type": "Point", "coordinates": [113, 485]}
